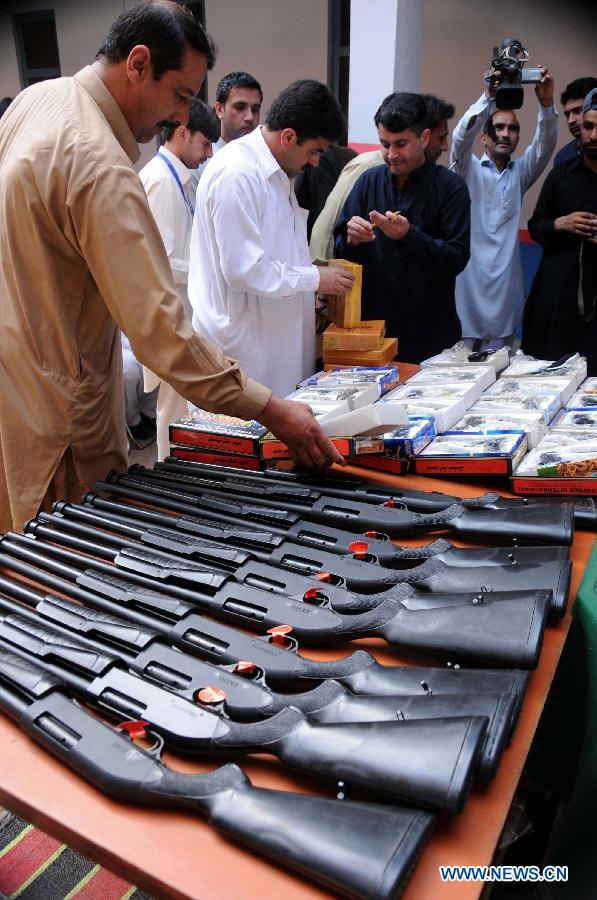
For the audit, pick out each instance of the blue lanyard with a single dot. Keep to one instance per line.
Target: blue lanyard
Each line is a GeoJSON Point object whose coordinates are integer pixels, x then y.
{"type": "Point", "coordinates": [177, 180]}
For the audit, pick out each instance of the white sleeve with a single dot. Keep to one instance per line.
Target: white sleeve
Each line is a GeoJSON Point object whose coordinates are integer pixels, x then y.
{"type": "Point", "coordinates": [465, 133]}
{"type": "Point", "coordinates": [235, 202]}
{"type": "Point", "coordinates": [538, 153]}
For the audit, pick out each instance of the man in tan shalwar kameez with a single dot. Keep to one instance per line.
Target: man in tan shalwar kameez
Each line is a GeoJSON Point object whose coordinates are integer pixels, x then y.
{"type": "Point", "coordinates": [81, 256]}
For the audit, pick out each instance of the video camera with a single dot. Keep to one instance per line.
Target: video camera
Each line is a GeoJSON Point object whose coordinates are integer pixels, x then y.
{"type": "Point", "coordinates": [509, 74]}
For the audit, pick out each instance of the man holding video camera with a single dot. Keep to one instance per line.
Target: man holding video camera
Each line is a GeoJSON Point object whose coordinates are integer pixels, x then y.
{"type": "Point", "coordinates": [490, 290]}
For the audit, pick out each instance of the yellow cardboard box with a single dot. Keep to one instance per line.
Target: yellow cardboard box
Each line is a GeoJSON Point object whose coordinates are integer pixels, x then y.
{"type": "Point", "coordinates": [366, 336]}
{"type": "Point", "coordinates": [381, 357]}
{"type": "Point", "coordinates": [345, 310]}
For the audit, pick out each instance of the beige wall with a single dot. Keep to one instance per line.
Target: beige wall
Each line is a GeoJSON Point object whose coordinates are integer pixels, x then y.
{"type": "Point", "coordinates": [277, 41]}
{"type": "Point", "coordinates": [459, 36]}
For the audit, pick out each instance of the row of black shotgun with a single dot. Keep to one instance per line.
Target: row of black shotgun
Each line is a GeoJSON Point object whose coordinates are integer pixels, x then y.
{"type": "Point", "coordinates": [141, 579]}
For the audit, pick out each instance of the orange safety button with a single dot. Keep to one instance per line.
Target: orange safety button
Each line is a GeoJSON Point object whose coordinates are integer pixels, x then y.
{"type": "Point", "coordinates": [359, 549]}
{"type": "Point", "coordinates": [279, 632]}
{"type": "Point", "coordinates": [211, 695]}
{"type": "Point", "coordinates": [135, 728]}
{"type": "Point", "coordinates": [244, 667]}
{"type": "Point", "coordinates": [371, 534]}
{"type": "Point", "coordinates": [323, 576]}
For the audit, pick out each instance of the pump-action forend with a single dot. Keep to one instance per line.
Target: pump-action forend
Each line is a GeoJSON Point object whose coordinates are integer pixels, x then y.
{"type": "Point", "coordinates": [341, 485]}
{"type": "Point", "coordinates": [362, 850]}
{"type": "Point", "coordinates": [533, 524]}
{"type": "Point", "coordinates": [351, 572]}
{"type": "Point", "coordinates": [229, 694]}
{"type": "Point", "coordinates": [506, 633]}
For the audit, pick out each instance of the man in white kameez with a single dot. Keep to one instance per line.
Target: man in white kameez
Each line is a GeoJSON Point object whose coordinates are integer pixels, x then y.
{"type": "Point", "coordinates": [251, 280]}
{"type": "Point", "coordinates": [170, 188]}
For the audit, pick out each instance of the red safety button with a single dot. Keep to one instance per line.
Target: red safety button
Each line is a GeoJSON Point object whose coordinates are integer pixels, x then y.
{"type": "Point", "coordinates": [371, 534]}
{"type": "Point", "coordinates": [211, 695]}
{"type": "Point", "coordinates": [359, 549]}
{"type": "Point", "coordinates": [279, 633]}
{"type": "Point", "coordinates": [389, 503]}
{"type": "Point", "coordinates": [311, 594]}
{"type": "Point", "coordinates": [134, 728]}
{"type": "Point", "coordinates": [244, 667]}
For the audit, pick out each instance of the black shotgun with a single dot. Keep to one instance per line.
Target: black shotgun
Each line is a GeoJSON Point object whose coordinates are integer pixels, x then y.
{"type": "Point", "coordinates": [390, 758]}
{"type": "Point", "coordinates": [362, 850]}
{"type": "Point", "coordinates": [585, 508]}
{"type": "Point", "coordinates": [507, 632]}
{"type": "Point", "coordinates": [534, 524]}
{"type": "Point", "coordinates": [273, 658]}
{"type": "Point", "coordinates": [228, 520]}
{"type": "Point", "coordinates": [351, 572]}
{"type": "Point", "coordinates": [227, 694]}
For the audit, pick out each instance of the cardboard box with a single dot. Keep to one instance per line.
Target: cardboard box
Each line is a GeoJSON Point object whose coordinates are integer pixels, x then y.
{"type": "Point", "coordinates": [272, 448]}
{"type": "Point", "coordinates": [385, 377]}
{"type": "Point", "coordinates": [484, 376]}
{"type": "Point", "coordinates": [386, 353]}
{"type": "Point", "coordinates": [583, 400]}
{"type": "Point", "coordinates": [469, 454]}
{"type": "Point", "coordinates": [375, 419]}
{"type": "Point", "coordinates": [380, 463]}
{"type": "Point", "coordinates": [580, 487]}
{"type": "Point", "coordinates": [410, 439]}
{"type": "Point", "coordinates": [530, 423]}
{"type": "Point", "coordinates": [200, 428]}
{"type": "Point", "coordinates": [523, 366]}
{"type": "Point", "coordinates": [366, 336]}
{"type": "Point", "coordinates": [492, 401]}
{"type": "Point", "coordinates": [576, 418]}
{"type": "Point", "coordinates": [340, 397]}
{"type": "Point", "coordinates": [460, 355]}
{"type": "Point", "coordinates": [444, 414]}
{"type": "Point", "coordinates": [345, 309]}
{"type": "Point", "coordinates": [213, 458]}
{"type": "Point", "coordinates": [445, 393]}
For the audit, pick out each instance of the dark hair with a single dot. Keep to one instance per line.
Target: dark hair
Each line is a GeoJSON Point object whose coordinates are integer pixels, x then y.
{"type": "Point", "coordinates": [4, 104]}
{"type": "Point", "coordinates": [310, 108]}
{"type": "Point", "coordinates": [201, 118]}
{"type": "Point", "coordinates": [578, 89]}
{"type": "Point", "coordinates": [437, 110]}
{"type": "Point", "coordinates": [402, 112]}
{"type": "Point", "coordinates": [488, 123]}
{"type": "Point", "coordinates": [165, 27]}
{"type": "Point", "coordinates": [236, 80]}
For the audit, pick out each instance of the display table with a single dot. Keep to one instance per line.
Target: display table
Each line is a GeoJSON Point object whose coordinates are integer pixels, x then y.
{"type": "Point", "coordinates": [177, 855]}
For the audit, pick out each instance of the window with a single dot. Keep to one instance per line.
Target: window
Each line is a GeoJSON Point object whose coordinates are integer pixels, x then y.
{"type": "Point", "coordinates": [37, 46]}
{"type": "Point", "coordinates": [339, 55]}
{"type": "Point", "coordinates": [198, 9]}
